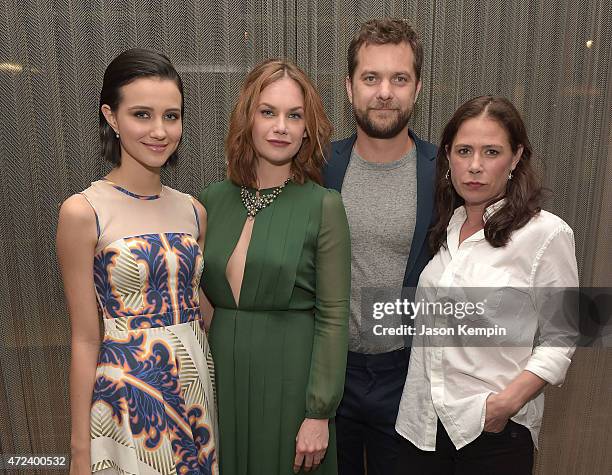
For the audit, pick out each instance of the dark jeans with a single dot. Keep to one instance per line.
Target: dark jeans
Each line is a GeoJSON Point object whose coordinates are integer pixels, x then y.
{"type": "Point", "coordinates": [365, 420]}
{"type": "Point", "coordinates": [509, 452]}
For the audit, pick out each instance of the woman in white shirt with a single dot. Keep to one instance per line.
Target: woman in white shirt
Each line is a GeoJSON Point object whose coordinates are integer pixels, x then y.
{"type": "Point", "coordinates": [478, 408]}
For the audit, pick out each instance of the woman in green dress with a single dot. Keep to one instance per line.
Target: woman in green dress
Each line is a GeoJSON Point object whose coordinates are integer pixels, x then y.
{"type": "Point", "coordinates": [277, 272]}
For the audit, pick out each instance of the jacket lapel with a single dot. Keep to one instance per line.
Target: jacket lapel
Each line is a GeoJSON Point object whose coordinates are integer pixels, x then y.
{"type": "Point", "coordinates": [334, 172]}
{"type": "Point", "coordinates": [426, 168]}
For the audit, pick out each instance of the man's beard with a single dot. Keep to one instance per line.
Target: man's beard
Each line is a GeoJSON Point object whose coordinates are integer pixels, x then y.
{"type": "Point", "coordinates": [382, 132]}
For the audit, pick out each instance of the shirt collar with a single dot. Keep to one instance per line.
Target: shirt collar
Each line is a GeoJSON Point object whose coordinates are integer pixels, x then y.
{"type": "Point", "coordinates": [492, 209]}
{"type": "Point", "coordinates": [460, 214]}
{"type": "Point", "coordinates": [458, 217]}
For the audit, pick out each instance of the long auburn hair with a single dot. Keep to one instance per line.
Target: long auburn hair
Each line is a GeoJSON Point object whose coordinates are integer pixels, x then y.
{"type": "Point", "coordinates": [523, 193]}
{"type": "Point", "coordinates": [240, 152]}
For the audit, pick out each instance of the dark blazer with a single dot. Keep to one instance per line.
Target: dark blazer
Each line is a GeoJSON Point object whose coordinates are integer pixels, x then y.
{"type": "Point", "coordinates": [333, 177]}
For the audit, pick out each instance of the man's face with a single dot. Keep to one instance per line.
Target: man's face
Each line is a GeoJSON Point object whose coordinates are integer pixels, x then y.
{"type": "Point", "coordinates": [383, 89]}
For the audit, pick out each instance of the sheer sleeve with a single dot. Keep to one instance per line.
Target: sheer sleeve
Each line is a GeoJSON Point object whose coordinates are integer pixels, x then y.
{"type": "Point", "coordinates": [333, 280]}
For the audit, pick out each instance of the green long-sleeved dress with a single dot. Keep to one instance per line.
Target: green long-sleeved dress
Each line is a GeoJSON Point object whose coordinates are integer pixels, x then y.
{"type": "Point", "coordinates": [280, 354]}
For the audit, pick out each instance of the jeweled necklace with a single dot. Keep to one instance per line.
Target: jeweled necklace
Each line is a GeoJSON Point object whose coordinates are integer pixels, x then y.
{"type": "Point", "coordinates": [255, 202]}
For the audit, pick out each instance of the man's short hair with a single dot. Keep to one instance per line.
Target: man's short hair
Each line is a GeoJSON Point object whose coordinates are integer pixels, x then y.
{"type": "Point", "coordinates": [382, 32]}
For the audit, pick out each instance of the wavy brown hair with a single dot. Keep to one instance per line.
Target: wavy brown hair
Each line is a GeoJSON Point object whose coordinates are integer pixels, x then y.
{"type": "Point", "coordinates": [523, 193]}
{"type": "Point", "coordinates": [240, 152]}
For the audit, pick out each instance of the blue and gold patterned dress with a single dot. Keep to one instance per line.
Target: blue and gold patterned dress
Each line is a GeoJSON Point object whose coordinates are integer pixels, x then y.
{"type": "Point", "coordinates": [153, 408]}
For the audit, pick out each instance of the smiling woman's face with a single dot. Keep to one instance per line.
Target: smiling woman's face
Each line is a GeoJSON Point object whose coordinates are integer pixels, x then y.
{"type": "Point", "coordinates": [279, 126]}
{"type": "Point", "coordinates": [480, 160]}
{"type": "Point", "coordinates": [148, 120]}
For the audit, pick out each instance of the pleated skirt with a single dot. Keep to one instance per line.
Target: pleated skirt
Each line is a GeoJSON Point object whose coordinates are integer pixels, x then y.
{"type": "Point", "coordinates": [262, 364]}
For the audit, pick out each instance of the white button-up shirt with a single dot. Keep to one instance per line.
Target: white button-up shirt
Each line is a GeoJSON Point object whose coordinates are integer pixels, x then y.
{"type": "Point", "coordinates": [452, 382]}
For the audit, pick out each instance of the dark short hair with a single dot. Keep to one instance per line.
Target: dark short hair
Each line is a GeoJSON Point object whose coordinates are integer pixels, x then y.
{"type": "Point", "coordinates": [382, 32]}
{"type": "Point", "coordinates": [523, 193]}
{"type": "Point", "coordinates": [127, 67]}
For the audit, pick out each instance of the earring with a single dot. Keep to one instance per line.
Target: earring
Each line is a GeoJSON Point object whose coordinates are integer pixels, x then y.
{"type": "Point", "coordinates": [447, 174]}
{"type": "Point", "coordinates": [117, 134]}
{"type": "Point", "coordinates": [510, 175]}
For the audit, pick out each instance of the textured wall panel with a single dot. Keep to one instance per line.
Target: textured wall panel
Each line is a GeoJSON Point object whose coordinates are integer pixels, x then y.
{"type": "Point", "coordinates": [52, 57]}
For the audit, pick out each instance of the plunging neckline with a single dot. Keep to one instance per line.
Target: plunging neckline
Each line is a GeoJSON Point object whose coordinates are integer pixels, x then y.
{"type": "Point", "coordinates": [246, 223]}
{"type": "Point", "coordinates": [244, 220]}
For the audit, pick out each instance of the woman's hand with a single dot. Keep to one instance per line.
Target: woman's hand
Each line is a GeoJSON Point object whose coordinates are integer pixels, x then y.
{"type": "Point", "coordinates": [499, 410]}
{"type": "Point", "coordinates": [311, 444]}
{"type": "Point", "coordinates": [505, 404]}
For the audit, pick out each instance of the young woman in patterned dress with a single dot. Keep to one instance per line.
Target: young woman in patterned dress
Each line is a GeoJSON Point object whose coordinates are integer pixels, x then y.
{"type": "Point", "coordinates": [129, 248]}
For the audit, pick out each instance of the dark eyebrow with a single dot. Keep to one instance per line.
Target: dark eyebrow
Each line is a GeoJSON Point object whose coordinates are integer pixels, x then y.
{"type": "Point", "coordinates": [483, 146]}
{"type": "Point", "coordinates": [146, 108]}
{"type": "Point", "coordinates": [395, 73]}
{"type": "Point", "coordinates": [269, 106]}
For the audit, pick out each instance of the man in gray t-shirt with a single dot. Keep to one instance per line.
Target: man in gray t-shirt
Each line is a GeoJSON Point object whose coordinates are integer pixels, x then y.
{"type": "Point", "coordinates": [385, 174]}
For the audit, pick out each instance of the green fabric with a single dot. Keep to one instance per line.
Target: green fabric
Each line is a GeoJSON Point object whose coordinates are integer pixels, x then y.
{"type": "Point", "coordinates": [280, 354]}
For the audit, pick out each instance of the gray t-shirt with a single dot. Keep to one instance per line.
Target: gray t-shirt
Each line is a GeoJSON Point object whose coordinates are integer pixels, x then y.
{"type": "Point", "coordinates": [380, 202]}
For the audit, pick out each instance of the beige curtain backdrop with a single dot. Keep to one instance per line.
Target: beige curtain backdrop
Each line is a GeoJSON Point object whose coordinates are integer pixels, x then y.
{"type": "Point", "coordinates": [553, 59]}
